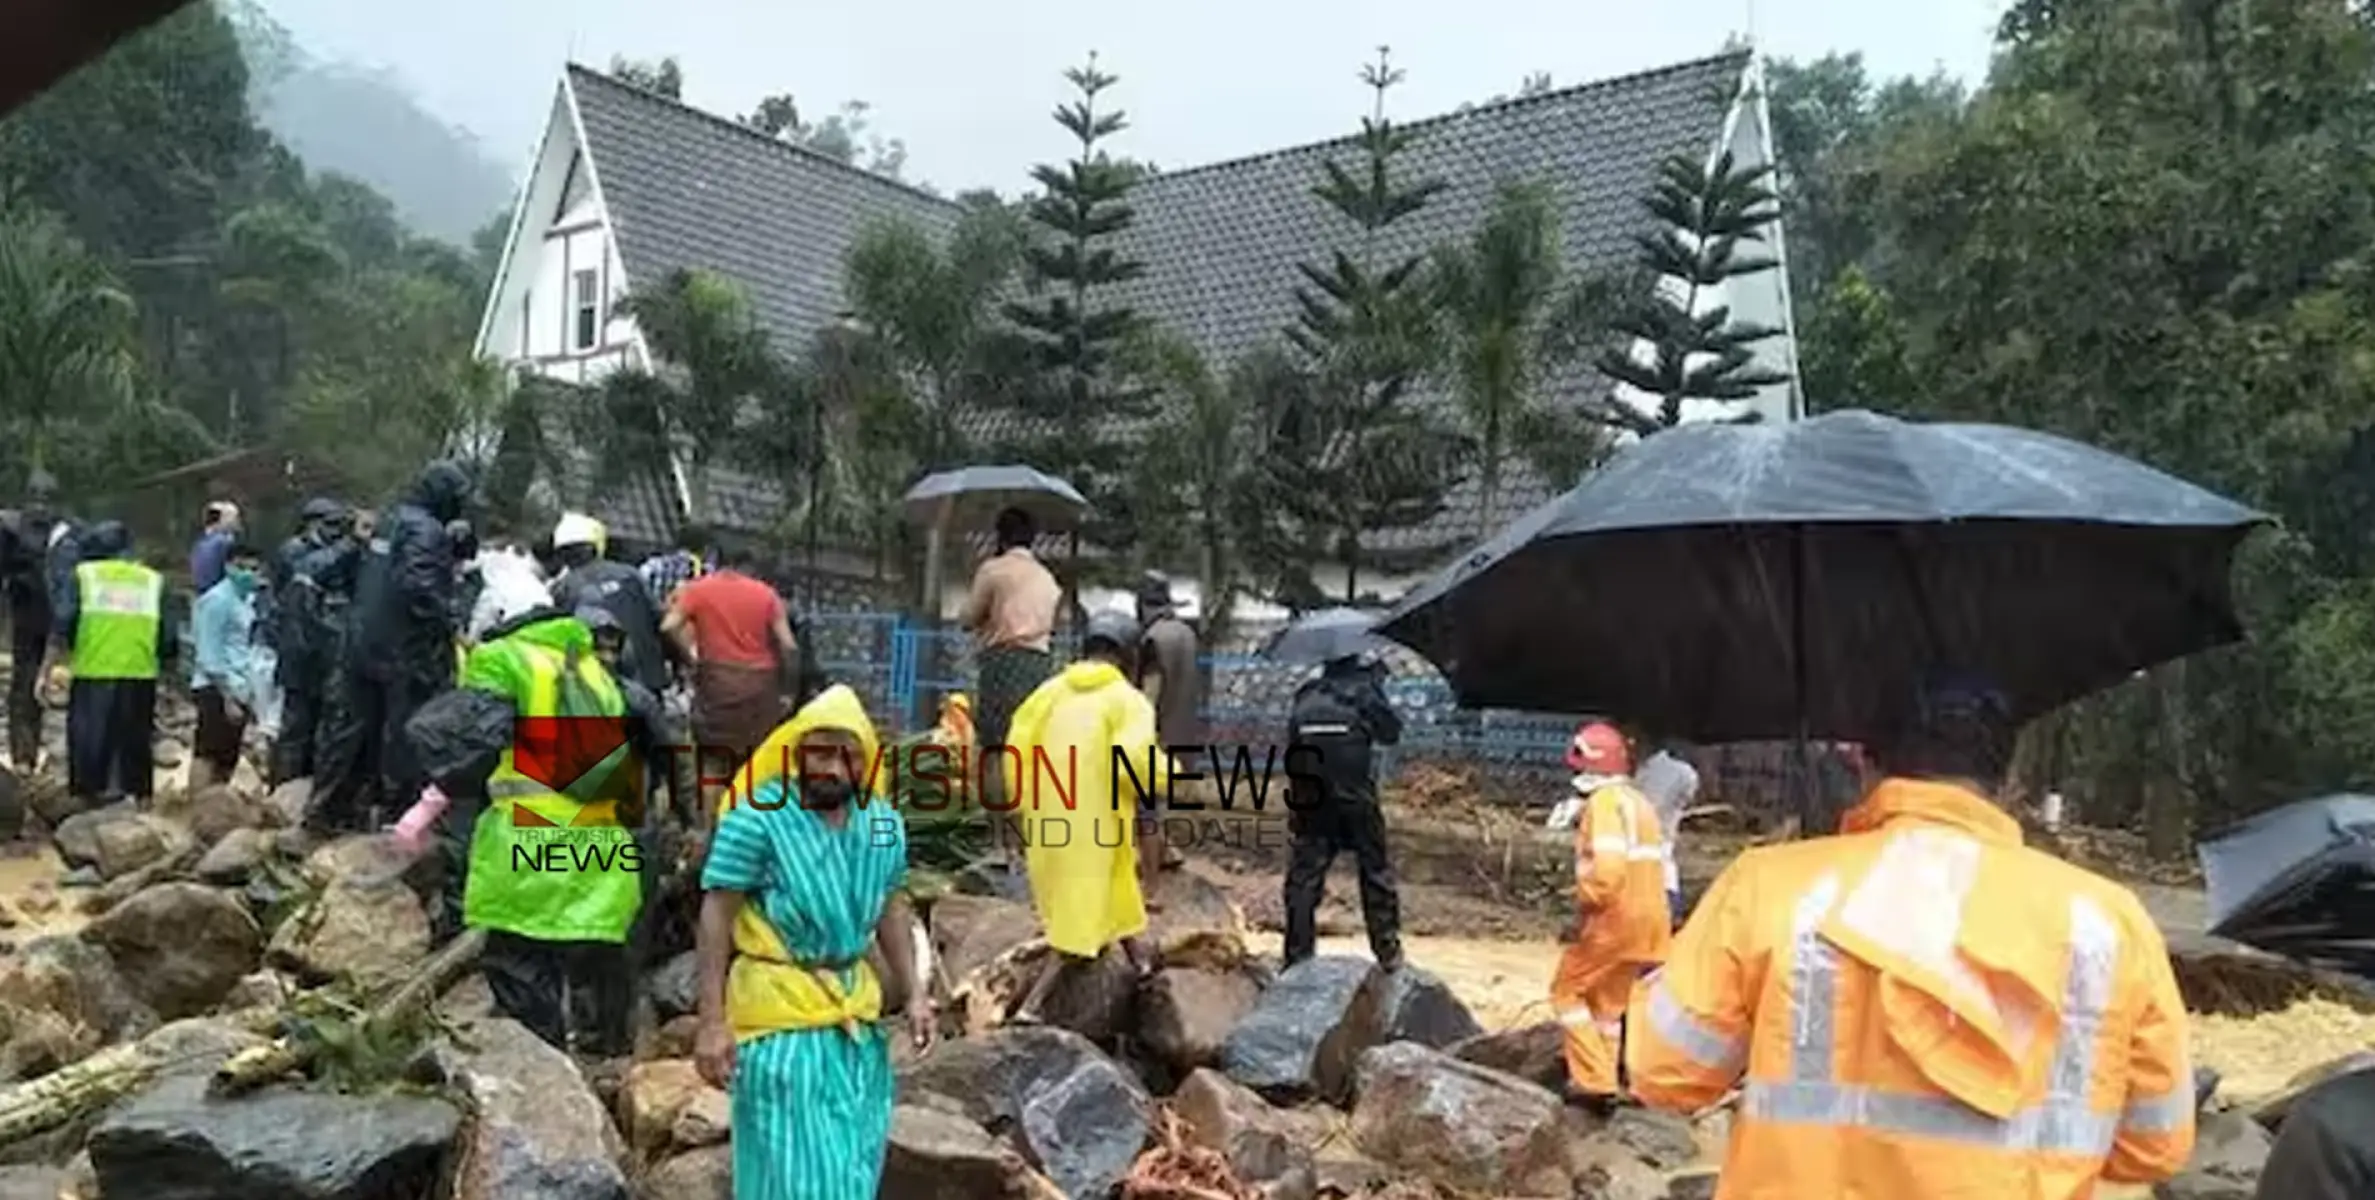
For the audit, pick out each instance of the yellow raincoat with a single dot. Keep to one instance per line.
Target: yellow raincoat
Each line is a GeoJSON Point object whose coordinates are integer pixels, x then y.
{"type": "Point", "coordinates": [1077, 809]}
{"type": "Point", "coordinates": [765, 991]}
{"type": "Point", "coordinates": [1921, 1007]}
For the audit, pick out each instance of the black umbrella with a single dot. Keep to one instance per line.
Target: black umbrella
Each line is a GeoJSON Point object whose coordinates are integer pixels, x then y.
{"type": "Point", "coordinates": [970, 496]}
{"type": "Point", "coordinates": [1329, 633]}
{"type": "Point", "coordinates": [2299, 881]}
{"type": "Point", "coordinates": [1739, 582]}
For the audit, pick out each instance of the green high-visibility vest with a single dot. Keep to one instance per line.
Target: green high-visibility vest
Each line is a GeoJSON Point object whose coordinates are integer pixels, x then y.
{"type": "Point", "coordinates": [550, 865]}
{"type": "Point", "coordinates": [119, 607]}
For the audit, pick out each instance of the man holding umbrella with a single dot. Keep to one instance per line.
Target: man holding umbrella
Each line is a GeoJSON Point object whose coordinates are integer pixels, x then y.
{"type": "Point", "coordinates": [1011, 613]}
{"type": "Point", "coordinates": [1337, 720]}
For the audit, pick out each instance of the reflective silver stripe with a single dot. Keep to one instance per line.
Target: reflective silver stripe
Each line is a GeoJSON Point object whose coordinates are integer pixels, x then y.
{"type": "Point", "coordinates": [2043, 1127]}
{"type": "Point", "coordinates": [2065, 1122]}
{"type": "Point", "coordinates": [2165, 1113]}
{"type": "Point", "coordinates": [1335, 729]}
{"type": "Point", "coordinates": [1814, 986]}
{"type": "Point", "coordinates": [1700, 1042]}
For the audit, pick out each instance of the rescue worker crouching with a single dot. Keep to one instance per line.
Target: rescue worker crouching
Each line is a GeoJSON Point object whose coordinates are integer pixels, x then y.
{"type": "Point", "coordinates": [1623, 923]}
{"type": "Point", "coordinates": [553, 875]}
{"type": "Point", "coordinates": [1922, 1006]}
{"type": "Point", "coordinates": [112, 643]}
{"type": "Point", "coordinates": [1341, 715]}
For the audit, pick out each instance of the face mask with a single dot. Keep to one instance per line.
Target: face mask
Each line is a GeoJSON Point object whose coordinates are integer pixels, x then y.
{"type": "Point", "coordinates": [241, 578]}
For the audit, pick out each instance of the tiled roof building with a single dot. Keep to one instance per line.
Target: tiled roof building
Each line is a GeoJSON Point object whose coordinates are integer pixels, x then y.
{"type": "Point", "coordinates": [630, 186]}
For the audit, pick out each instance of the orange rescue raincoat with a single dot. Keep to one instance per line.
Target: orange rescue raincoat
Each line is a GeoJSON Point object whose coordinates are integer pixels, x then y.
{"type": "Point", "coordinates": [1620, 886]}
{"type": "Point", "coordinates": [1921, 1007]}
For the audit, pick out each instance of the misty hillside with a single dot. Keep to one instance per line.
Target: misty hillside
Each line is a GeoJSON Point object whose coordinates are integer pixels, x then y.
{"type": "Point", "coordinates": [366, 124]}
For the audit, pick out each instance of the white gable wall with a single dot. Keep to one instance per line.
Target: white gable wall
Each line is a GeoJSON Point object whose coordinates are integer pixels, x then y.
{"type": "Point", "coordinates": [1759, 299]}
{"type": "Point", "coordinates": [561, 258]}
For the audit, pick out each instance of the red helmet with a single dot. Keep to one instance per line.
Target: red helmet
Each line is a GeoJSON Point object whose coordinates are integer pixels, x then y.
{"type": "Point", "coordinates": [1598, 749]}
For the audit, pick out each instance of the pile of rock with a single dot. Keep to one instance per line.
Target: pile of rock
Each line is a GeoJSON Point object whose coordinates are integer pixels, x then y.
{"type": "Point", "coordinates": [211, 912]}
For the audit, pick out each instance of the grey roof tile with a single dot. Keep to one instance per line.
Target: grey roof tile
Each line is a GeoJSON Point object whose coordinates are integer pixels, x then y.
{"type": "Point", "coordinates": [1220, 242]}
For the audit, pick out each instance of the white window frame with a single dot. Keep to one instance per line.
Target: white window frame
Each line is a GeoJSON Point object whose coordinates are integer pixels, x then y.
{"type": "Point", "coordinates": [585, 317]}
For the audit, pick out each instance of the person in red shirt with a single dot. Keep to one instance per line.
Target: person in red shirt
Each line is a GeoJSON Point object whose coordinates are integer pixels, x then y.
{"type": "Point", "coordinates": [734, 631]}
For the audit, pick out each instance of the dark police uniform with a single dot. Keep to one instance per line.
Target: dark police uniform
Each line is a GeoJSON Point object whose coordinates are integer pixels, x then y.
{"type": "Point", "coordinates": [1336, 720]}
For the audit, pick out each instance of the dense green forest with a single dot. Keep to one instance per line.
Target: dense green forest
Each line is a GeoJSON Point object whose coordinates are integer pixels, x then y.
{"type": "Point", "coordinates": [2149, 227]}
{"type": "Point", "coordinates": [174, 281]}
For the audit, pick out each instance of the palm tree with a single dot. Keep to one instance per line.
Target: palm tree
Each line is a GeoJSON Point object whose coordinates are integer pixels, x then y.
{"type": "Point", "coordinates": [714, 361]}
{"type": "Point", "coordinates": [1511, 319]}
{"type": "Point", "coordinates": [1201, 463]}
{"type": "Point", "coordinates": [68, 335]}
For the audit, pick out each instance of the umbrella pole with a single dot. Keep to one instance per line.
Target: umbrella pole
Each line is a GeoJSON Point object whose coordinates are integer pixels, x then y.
{"type": "Point", "coordinates": [930, 607]}
{"type": "Point", "coordinates": [1802, 790]}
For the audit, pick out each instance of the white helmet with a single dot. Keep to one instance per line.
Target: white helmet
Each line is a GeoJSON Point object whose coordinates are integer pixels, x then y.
{"type": "Point", "coordinates": [578, 529]}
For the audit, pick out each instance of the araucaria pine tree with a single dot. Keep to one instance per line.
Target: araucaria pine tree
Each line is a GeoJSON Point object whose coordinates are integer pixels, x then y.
{"type": "Point", "coordinates": [1711, 220]}
{"type": "Point", "coordinates": [1078, 413]}
{"type": "Point", "coordinates": [1359, 454]}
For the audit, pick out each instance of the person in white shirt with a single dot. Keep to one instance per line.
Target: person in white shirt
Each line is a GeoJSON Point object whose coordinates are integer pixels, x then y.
{"type": "Point", "coordinates": [1672, 785]}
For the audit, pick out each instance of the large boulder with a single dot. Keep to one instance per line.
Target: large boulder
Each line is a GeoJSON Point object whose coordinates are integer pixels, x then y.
{"type": "Point", "coordinates": [1459, 1124]}
{"type": "Point", "coordinates": [374, 931]}
{"type": "Point", "coordinates": [231, 860]}
{"type": "Point", "coordinates": [540, 1130]}
{"type": "Point", "coordinates": [1079, 1116]}
{"type": "Point", "coordinates": [181, 946]}
{"type": "Point", "coordinates": [990, 1076]}
{"type": "Point", "coordinates": [210, 813]}
{"type": "Point", "coordinates": [1411, 1005]}
{"type": "Point", "coordinates": [1186, 1016]}
{"type": "Point", "coordinates": [77, 981]}
{"type": "Point", "coordinates": [1303, 1037]}
{"type": "Point", "coordinates": [665, 1105]}
{"type": "Point", "coordinates": [288, 805]}
{"type": "Point", "coordinates": [935, 1155]}
{"type": "Point", "coordinates": [2230, 1150]}
{"type": "Point", "coordinates": [45, 793]}
{"type": "Point", "coordinates": [1095, 998]}
{"type": "Point", "coordinates": [1086, 1128]}
{"type": "Point", "coordinates": [119, 839]}
{"type": "Point", "coordinates": [969, 932]}
{"type": "Point", "coordinates": [1536, 1053]}
{"type": "Point", "coordinates": [1260, 1143]}
{"type": "Point", "coordinates": [1189, 916]}
{"type": "Point", "coordinates": [705, 1174]}
{"type": "Point", "coordinates": [1661, 1139]}
{"type": "Point", "coordinates": [175, 1143]}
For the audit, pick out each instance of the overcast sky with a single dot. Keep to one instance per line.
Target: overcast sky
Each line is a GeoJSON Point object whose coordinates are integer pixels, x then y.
{"type": "Point", "coordinates": [968, 86]}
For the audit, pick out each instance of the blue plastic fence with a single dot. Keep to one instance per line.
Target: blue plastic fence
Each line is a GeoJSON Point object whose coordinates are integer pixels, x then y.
{"type": "Point", "coordinates": [902, 668]}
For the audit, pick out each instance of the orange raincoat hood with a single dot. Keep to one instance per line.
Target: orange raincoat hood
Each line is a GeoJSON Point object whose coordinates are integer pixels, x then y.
{"type": "Point", "coordinates": [1949, 972]}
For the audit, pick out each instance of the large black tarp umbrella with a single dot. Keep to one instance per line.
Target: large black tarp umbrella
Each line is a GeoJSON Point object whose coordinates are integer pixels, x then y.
{"type": "Point", "coordinates": [1744, 582]}
{"type": "Point", "coordinates": [2299, 881]}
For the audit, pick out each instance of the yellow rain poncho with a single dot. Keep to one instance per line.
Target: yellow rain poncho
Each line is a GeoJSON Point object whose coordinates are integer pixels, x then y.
{"type": "Point", "coordinates": [766, 991]}
{"type": "Point", "coordinates": [1078, 809]}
